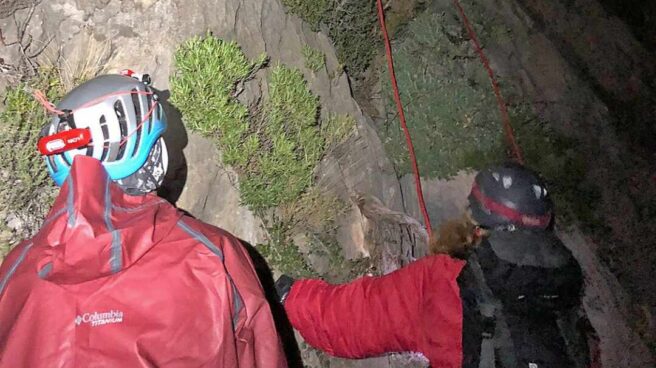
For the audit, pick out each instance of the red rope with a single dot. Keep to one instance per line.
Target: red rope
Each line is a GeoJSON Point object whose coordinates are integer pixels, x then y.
{"type": "Point", "coordinates": [399, 106]}
{"type": "Point", "coordinates": [43, 100]}
{"type": "Point", "coordinates": [510, 134]}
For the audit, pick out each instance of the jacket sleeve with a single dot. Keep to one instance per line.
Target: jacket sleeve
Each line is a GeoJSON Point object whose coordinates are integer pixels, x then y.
{"type": "Point", "coordinates": [257, 341]}
{"type": "Point", "coordinates": [375, 315]}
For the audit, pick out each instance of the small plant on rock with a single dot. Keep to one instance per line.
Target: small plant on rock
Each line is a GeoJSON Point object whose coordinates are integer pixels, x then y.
{"type": "Point", "coordinates": [274, 147]}
{"type": "Point", "coordinates": [274, 151]}
{"type": "Point", "coordinates": [315, 60]}
{"type": "Point", "coordinates": [312, 11]}
{"type": "Point", "coordinates": [337, 128]}
{"type": "Point", "coordinates": [291, 144]}
{"type": "Point", "coordinates": [204, 89]}
{"type": "Point", "coordinates": [351, 24]}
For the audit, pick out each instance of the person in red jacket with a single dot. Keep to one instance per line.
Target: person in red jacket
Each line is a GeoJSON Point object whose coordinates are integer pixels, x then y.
{"type": "Point", "coordinates": [116, 276]}
{"type": "Point", "coordinates": [503, 308]}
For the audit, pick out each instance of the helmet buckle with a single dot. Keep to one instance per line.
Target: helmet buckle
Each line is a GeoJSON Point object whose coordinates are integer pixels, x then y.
{"type": "Point", "coordinates": [67, 117]}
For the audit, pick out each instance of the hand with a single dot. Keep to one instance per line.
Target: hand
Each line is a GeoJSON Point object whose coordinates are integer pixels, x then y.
{"type": "Point", "coordinates": [283, 285]}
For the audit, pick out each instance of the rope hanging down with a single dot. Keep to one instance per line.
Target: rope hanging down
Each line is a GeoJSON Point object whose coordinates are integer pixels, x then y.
{"type": "Point", "coordinates": [510, 134]}
{"type": "Point", "coordinates": [399, 106]}
{"type": "Point", "coordinates": [503, 110]}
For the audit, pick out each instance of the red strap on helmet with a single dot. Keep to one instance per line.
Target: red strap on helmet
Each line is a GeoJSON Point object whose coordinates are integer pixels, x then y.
{"type": "Point", "coordinates": [144, 78]}
{"type": "Point", "coordinates": [127, 72]}
{"type": "Point", "coordinates": [510, 213]}
{"type": "Point", "coordinates": [64, 141]}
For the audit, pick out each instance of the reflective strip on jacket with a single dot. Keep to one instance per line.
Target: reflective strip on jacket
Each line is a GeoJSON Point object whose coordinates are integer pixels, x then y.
{"type": "Point", "coordinates": [416, 308]}
{"type": "Point", "coordinates": [113, 280]}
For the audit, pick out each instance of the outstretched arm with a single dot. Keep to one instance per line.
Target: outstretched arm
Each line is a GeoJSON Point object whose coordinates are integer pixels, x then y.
{"type": "Point", "coordinates": [416, 308]}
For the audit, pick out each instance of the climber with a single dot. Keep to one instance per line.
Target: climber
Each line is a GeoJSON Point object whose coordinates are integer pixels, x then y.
{"type": "Point", "coordinates": [502, 306]}
{"type": "Point", "coordinates": [116, 276]}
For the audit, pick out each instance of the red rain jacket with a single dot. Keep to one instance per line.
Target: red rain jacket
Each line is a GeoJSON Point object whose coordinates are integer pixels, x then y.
{"type": "Point", "coordinates": [113, 280]}
{"type": "Point", "coordinates": [416, 308]}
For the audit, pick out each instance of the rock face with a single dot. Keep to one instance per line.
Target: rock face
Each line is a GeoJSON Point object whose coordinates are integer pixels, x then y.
{"type": "Point", "coordinates": [605, 303]}
{"type": "Point", "coordinates": [8, 7]}
{"type": "Point", "coordinates": [211, 193]}
{"type": "Point", "coordinates": [445, 199]}
{"type": "Point", "coordinates": [397, 238]}
{"type": "Point", "coordinates": [143, 34]}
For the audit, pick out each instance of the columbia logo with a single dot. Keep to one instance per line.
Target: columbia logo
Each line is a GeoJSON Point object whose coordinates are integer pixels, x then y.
{"type": "Point", "coordinates": [98, 319]}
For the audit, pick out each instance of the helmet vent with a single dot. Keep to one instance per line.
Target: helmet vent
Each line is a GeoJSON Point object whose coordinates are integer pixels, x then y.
{"type": "Point", "coordinates": [149, 104]}
{"type": "Point", "coordinates": [138, 140]}
{"type": "Point", "coordinates": [507, 181]}
{"type": "Point", "coordinates": [539, 191]}
{"type": "Point", "coordinates": [140, 119]}
{"type": "Point", "coordinates": [105, 132]}
{"type": "Point", "coordinates": [121, 151]}
{"type": "Point", "coordinates": [123, 124]}
{"type": "Point", "coordinates": [61, 126]}
{"type": "Point", "coordinates": [120, 114]}
{"type": "Point", "coordinates": [90, 147]}
{"type": "Point", "coordinates": [137, 106]}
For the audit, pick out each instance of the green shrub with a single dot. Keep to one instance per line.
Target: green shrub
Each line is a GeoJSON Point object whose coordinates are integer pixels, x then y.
{"type": "Point", "coordinates": [337, 128]}
{"type": "Point", "coordinates": [24, 175]}
{"type": "Point", "coordinates": [454, 118]}
{"type": "Point", "coordinates": [203, 89]}
{"type": "Point", "coordinates": [311, 11]}
{"type": "Point", "coordinates": [315, 60]}
{"type": "Point", "coordinates": [450, 110]}
{"type": "Point", "coordinates": [351, 25]}
{"type": "Point", "coordinates": [275, 152]}
{"type": "Point", "coordinates": [26, 191]}
{"type": "Point", "coordinates": [291, 144]}
{"type": "Point", "coordinates": [274, 149]}
{"type": "Point", "coordinates": [282, 254]}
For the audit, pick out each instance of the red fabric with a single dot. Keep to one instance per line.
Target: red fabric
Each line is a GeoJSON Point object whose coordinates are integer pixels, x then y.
{"type": "Point", "coordinates": [113, 280]}
{"type": "Point", "coordinates": [416, 308]}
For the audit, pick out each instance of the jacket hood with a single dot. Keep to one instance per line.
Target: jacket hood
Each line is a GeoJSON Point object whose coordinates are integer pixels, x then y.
{"type": "Point", "coordinates": [94, 229]}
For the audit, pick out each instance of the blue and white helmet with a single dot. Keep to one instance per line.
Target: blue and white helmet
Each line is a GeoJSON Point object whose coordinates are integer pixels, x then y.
{"type": "Point", "coordinates": [125, 121]}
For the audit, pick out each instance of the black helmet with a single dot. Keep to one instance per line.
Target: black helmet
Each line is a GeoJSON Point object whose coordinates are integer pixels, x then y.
{"type": "Point", "coordinates": [510, 196]}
